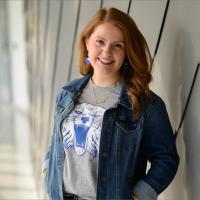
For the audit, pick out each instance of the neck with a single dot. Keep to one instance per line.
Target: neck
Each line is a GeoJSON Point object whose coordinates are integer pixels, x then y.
{"type": "Point", "coordinates": [105, 81]}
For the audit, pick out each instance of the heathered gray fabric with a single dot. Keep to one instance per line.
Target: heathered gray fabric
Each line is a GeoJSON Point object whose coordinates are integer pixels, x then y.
{"type": "Point", "coordinates": [111, 94]}
{"type": "Point", "coordinates": [81, 164]}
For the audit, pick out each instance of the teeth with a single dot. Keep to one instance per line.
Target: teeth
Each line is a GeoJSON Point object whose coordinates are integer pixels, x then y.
{"type": "Point", "coordinates": [106, 61]}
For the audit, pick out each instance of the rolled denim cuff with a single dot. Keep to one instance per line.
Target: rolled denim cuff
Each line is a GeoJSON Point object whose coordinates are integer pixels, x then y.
{"type": "Point", "coordinates": [45, 165]}
{"type": "Point", "coordinates": [144, 191]}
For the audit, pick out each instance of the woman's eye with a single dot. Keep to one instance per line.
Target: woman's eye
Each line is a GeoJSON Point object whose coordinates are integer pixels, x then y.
{"type": "Point", "coordinates": [118, 46]}
{"type": "Point", "coordinates": [99, 42]}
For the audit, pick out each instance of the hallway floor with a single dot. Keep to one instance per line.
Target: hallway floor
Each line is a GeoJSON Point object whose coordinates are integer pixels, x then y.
{"type": "Point", "coordinates": [16, 175]}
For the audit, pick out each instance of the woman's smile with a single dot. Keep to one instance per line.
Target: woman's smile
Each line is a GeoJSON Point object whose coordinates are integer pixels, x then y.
{"type": "Point", "coordinates": [105, 61]}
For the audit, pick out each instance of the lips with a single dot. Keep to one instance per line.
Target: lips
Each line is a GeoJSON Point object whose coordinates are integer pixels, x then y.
{"type": "Point", "coordinates": [105, 61]}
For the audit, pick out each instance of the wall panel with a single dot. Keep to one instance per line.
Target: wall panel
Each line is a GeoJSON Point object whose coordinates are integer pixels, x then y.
{"type": "Point", "coordinates": [52, 32]}
{"type": "Point", "coordinates": [148, 15]}
{"type": "Point", "coordinates": [188, 55]}
{"type": "Point", "coordinates": [32, 72]}
{"type": "Point", "coordinates": [43, 11]}
{"type": "Point", "coordinates": [5, 64]}
{"type": "Point", "coordinates": [122, 5]}
{"type": "Point", "coordinates": [191, 134]}
{"type": "Point", "coordinates": [173, 72]}
{"type": "Point", "coordinates": [47, 81]}
{"type": "Point", "coordinates": [70, 9]}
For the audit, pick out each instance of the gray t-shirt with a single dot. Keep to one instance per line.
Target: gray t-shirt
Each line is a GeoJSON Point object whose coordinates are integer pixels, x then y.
{"type": "Point", "coordinates": [81, 131]}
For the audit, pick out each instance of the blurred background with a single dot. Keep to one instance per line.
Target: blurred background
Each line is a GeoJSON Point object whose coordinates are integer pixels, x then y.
{"type": "Point", "coordinates": [37, 57]}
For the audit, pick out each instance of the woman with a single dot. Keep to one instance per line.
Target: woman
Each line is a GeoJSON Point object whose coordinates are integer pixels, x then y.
{"type": "Point", "coordinates": [108, 124]}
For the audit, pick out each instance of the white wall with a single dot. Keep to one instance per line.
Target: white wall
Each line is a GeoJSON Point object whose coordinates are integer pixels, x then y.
{"type": "Point", "coordinates": [173, 71]}
{"type": "Point", "coordinates": [18, 54]}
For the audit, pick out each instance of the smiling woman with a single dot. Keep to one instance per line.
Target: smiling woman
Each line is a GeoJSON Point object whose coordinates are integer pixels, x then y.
{"type": "Point", "coordinates": [110, 123]}
{"type": "Point", "coordinates": [106, 52]}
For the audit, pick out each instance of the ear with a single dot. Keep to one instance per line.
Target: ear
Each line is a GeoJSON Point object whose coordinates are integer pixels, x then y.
{"type": "Point", "coordinates": [87, 43]}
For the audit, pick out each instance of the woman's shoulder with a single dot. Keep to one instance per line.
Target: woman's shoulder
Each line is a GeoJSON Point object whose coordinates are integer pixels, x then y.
{"type": "Point", "coordinates": [71, 87]}
{"type": "Point", "coordinates": [76, 84]}
{"type": "Point", "coordinates": [153, 98]}
{"type": "Point", "coordinates": [153, 102]}
{"type": "Point", "coordinates": [71, 84]}
{"type": "Point", "coordinates": [65, 90]}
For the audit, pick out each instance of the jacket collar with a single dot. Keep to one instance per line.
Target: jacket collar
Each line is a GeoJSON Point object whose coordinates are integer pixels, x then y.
{"type": "Point", "coordinates": [76, 86]}
{"type": "Point", "coordinates": [124, 99]}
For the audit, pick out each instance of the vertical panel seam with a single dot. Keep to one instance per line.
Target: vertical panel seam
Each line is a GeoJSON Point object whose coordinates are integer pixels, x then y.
{"type": "Point", "coordinates": [129, 6]}
{"type": "Point", "coordinates": [74, 39]}
{"type": "Point", "coordinates": [101, 4]}
{"type": "Point", "coordinates": [161, 31]}
{"type": "Point", "coordinates": [44, 62]}
{"type": "Point", "coordinates": [55, 59]}
{"type": "Point", "coordinates": [188, 99]}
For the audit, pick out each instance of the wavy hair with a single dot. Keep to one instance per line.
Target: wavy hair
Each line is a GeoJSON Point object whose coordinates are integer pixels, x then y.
{"type": "Point", "coordinates": [136, 72]}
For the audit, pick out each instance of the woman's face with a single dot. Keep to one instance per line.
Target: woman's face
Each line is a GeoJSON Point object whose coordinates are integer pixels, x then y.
{"type": "Point", "coordinates": [106, 50]}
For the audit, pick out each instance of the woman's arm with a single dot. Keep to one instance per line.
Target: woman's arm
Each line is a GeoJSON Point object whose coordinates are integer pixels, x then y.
{"type": "Point", "coordinates": [158, 146]}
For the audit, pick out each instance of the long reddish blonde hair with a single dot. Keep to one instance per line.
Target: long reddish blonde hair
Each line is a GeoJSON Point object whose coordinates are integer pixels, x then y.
{"type": "Point", "coordinates": [136, 74]}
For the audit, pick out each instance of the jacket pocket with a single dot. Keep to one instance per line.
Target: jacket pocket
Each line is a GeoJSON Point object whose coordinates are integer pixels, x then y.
{"type": "Point", "coordinates": [128, 127]}
{"type": "Point", "coordinates": [128, 134]}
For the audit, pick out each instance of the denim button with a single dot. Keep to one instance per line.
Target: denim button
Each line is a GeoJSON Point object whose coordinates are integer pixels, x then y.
{"type": "Point", "coordinates": [104, 178]}
{"type": "Point", "coordinates": [105, 154]}
{"type": "Point", "coordinates": [59, 162]}
{"type": "Point", "coordinates": [109, 130]}
{"type": "Point", "coordinates": [130, 181]}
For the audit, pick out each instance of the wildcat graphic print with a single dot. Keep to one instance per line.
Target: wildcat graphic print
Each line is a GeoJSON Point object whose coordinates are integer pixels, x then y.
{"type": "Point", "coordinates": [82, 128]}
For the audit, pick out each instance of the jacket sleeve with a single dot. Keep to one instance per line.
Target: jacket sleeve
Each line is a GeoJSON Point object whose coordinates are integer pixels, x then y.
{"type": "Point", "coordinates": [159, 148]}
{"type": "Point", "coordinates": [52, 140]}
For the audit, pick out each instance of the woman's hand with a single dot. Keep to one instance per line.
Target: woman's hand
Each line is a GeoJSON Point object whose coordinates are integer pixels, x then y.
{"type": "Point", "coordinates": [135, 197]}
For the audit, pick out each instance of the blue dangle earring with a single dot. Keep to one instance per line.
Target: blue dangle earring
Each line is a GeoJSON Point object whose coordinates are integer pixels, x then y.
{"type": "Point", "coordinates": [125, 65]}
{"type": "Point", "coordinates": [87, 61]}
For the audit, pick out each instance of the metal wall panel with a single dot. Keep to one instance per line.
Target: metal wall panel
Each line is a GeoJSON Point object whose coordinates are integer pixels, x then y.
{"type": "Point", "coordinates": [148, 15]}
{"type": "Point", "coordinates": [42, 55]}
{"type": "Point", "coordinates": [69, 15]}
{"type": "Point", "coordinates": [173, 72]}
{"type": "Point", "coordinates": [122, 5]}
{"type": "Point", "coordinates": [5, 65]}
{"type": "Point", "coordinates": [191, 134]}
{"type": "Point", "coordinates": [52, 32]}
{"type": "Point", "coordinates": [187, 55]}
{"type": "Point", "coordinates": [42, 10]}
{"type": "Point", "coordinates": [32, 75]}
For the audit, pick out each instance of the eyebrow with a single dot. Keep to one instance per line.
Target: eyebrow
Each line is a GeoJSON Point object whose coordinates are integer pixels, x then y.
{"type": "Point", "coordinates": [112, 42]}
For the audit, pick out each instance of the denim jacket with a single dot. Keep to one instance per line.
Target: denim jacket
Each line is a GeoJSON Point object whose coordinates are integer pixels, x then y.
{"type": "Point", "coordinates": [125, 147]}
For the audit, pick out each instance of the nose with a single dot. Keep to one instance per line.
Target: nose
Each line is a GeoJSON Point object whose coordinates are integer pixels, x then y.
{"type": "Point", "coordinates": [107, 50]}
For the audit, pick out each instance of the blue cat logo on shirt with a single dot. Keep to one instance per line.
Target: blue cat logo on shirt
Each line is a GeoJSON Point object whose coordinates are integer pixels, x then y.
{"type": "Point", "coordinates": [82, 128]}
